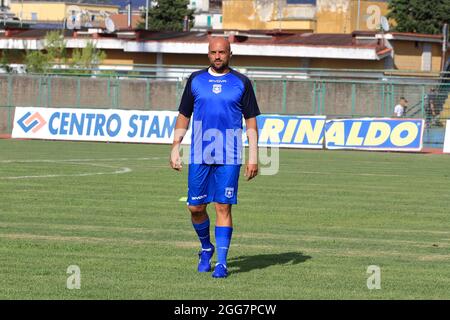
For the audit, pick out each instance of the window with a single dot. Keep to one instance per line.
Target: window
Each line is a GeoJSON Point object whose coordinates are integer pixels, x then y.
{"type": "Point", "coordinates": [313, 2]}
{"type": "Point", "coordinates": [34, 16]}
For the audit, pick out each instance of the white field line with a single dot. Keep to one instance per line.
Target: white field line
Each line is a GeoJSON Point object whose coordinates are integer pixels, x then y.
{"type": "Point", "coordinates": [159, 158]}
{"type": "Point", "coordinates": [120, 170]}
{"type": "Point", "coordinates": [78, 160]}
{"type": "Point", "coordinates": [349, 173]}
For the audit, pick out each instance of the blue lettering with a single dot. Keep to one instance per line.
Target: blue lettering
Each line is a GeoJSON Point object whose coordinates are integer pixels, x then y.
{"type": "Point", "coordinates": [89, 117]}
{"type": "Point", "coordinates": [144, 120]}
{"type": "Point", "coordinates": [168, 127]}
{"type": "Point", "coordinates": [99, 123]}
{"type": "Point", "coordinates": [133, 126]}
{"type": "Point", "coordinates": [64, 123]}
{"type": "Point", "coordinates": [54, 116]}
{"type": "Point", "coordinates": [154, 128]}
{"type": "Point", "coordinates": [113, 117]}
{"type": "Point", "coordinates": [78, 124]}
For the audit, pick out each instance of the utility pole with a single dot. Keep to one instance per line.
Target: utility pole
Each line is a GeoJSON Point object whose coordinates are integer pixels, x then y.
{"type": "Point", "coordinates": [146, 14]}
{"type": "Point", "coordinates": [358, 15]}
{"type": "Point", "coordinates": [444, 45]}
{"type": "Point", "coordinates": [280, 14]}
{"type": "Point", "coordinates": [129, 21]}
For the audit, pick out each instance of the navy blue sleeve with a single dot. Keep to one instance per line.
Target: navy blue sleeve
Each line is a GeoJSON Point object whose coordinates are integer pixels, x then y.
{"type": "Point", "coordinates": [250, 107]}
{"type": "Point", "coordinates": [187, 100]}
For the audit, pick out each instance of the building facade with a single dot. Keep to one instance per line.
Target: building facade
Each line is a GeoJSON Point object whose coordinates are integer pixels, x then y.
{"type": "Point", "coordinates": [321, 16]}
{"type": "Point", "coordinates": [47, 11]}
{"type": "Point", "coordinates": [358, 50]}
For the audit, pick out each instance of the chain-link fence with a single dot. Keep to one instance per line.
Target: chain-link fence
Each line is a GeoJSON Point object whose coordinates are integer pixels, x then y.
{"type": "Point", "coordinates": [340, 98]}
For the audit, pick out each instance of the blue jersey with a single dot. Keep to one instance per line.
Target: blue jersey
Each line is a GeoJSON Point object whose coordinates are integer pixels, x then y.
{"type": "Point", "coordinates": [218, 104]}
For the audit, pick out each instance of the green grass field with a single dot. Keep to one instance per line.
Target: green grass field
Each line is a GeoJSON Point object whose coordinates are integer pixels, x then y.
{"type": "Point", "coordinates": [308, 232]}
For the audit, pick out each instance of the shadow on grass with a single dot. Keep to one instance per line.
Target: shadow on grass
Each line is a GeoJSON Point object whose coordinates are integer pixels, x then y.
{"type": "Point", "coordinates": [261, 261]}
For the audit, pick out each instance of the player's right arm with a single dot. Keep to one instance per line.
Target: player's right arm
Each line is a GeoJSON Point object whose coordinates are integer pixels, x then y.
{"type": "Point", "coordinates": [182, 124]}
{"type": "Point", "coordinates": [181, 127]}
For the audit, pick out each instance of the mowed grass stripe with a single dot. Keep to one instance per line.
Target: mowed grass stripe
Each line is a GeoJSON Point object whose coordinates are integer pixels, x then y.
{"type": "Point", "coordinates": [297, 235]}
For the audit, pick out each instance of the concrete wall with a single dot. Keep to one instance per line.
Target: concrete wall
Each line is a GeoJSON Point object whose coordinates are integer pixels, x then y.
{"type": "Point", "coordinates": [341, 16]}
{"type": "Point", "coordinates": [53, 11]}
{"type": "Point", "coordinates": [120, 57]}
{"type": "Point", "coordinates": [328, 16]}
{"type": "Point", "coordinates": [346, 64]}
{"type": "Point", "coordinates": [246, 15]}
{"type": "Point", "coordinates": [44, 11]}
{"type": "Point", "coordinates": [408, 55]}
{"type": "Point", "coordinates": [267, 15]}
{"type": "Point", "coordinates": [199, 5]}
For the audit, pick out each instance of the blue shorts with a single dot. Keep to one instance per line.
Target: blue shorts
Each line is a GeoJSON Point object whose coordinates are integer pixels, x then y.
{"type": "Point", "coordinates": [212, 183]}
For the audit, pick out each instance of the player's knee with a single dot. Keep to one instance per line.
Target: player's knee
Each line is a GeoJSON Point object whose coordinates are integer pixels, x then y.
{"type": "Point", "coordinates": [197, 210]}
{"type": "Point", "coordinates": [223, 209]}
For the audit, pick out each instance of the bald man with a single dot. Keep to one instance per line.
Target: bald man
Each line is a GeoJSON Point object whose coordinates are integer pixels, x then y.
{"type": "Point", "coordinates": [217, 98]}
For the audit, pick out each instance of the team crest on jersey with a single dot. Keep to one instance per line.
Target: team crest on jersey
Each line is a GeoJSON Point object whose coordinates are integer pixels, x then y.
{"type": "Point", "coordinates": [217, 88]}
{"type": "Point", "coordinates": [229, 192]}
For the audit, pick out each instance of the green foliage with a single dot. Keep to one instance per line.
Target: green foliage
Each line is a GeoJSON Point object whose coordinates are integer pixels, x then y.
{"type": "Point", "coordinates": [37, 61]}
{"type": "Point", "coordinates": [55, 51]}
{"type": "Point", "coordinates": [168, 15]}
{"type": "Point", "coordinates": [4, 65]}
{"type": "Point", "coordinates": [8, 57]}
{"type": "Point", "coordinates": [87, 58]}
{"type": "Point", "coordinates": [420, 16]}
{"type": "Point", "coordinates": [55, 45]}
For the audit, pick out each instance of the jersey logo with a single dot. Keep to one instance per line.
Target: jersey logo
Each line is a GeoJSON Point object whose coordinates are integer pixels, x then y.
{"type": "Point", "coordinates": [229, 192]}
{"type": "Point", "coordinates": [217, 88]}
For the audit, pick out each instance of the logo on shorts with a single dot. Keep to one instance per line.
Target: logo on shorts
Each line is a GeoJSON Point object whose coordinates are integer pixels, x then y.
{"type": "Point", "coordinates": [229, 192]}
{"type": "Point", "coordinates": [199, 197]}
{"type": "Point", "coordinates": [217, 88]}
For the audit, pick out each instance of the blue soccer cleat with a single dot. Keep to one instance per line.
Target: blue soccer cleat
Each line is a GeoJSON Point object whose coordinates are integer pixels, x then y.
{"type": "Point", "coordinates": [204, 262]}
{"type": "Point", "coordinates": [220, 271]}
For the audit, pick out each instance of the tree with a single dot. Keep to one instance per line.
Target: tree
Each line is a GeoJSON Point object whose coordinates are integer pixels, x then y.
{"type": "Point", "coordinates": [8, 57]}
{"type": "Point", "coordinates": [55, 45]}
{"type": "Point", "coordinates": [87, 58]}
{"type": "Point", "coordinates": [168, 15]}
{"type": "Point", "coordinates": [36, 61]}
{"type": "Point", "coordinates": [419, 16]}
{"type": "Point", "coordinates": [54, 51]}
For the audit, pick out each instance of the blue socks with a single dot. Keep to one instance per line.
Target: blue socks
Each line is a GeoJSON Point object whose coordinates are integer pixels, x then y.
{"type": "Point", "coordinates": [202, 230]}
{"type": "Point", "coordinates": [223, 239]}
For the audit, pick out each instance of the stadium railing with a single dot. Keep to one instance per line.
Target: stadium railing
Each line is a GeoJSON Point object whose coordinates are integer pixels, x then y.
{"type": "Point", "coordinates": [312, 95]}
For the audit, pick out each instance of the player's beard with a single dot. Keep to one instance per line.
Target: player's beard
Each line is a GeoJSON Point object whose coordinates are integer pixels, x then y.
{"type": "Point", "coordinates": [220, 69]}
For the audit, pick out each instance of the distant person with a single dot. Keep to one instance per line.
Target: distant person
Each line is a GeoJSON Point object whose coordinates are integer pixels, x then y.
{"type": "Point", "coordinates": [400, 108]}
{"type": "Point", "coordinates": [432, 109]}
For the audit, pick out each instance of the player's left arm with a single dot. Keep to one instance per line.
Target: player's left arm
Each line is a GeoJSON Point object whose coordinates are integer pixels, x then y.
{"type": "Point", "coordinates": [250, 112]}
{"type": "Point", "coordinates": [251, 168]}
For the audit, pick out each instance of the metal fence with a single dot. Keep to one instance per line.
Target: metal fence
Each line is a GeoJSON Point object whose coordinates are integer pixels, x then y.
{"type": "Point", "coordinates": [337, 98]}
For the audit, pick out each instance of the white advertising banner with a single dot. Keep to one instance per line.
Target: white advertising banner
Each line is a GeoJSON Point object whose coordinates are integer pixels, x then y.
{"type": "Point", "coordinates": [96, 125]}
{"type": "Point", "coordinates": [447, 138]}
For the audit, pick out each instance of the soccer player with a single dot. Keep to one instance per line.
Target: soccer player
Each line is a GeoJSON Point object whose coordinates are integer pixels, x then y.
{"type": "Point", "coordinates": [217, 98]}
